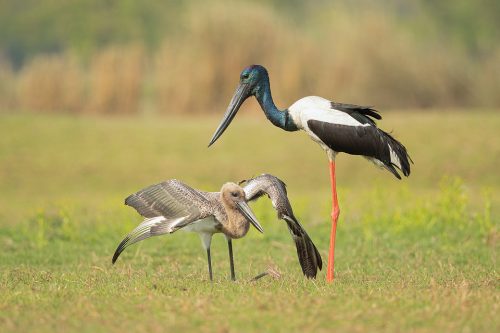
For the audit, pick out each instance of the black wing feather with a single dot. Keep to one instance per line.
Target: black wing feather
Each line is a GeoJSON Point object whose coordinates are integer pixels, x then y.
{"type": "Point", "coordinates": [368, 141]}
{"type": "Point", "coordinates": [360, 113]}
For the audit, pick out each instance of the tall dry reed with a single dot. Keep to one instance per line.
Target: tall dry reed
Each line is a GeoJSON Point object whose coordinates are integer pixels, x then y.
{"type": "Point", "coordinates": [51, 83]}
{"type": "Point", "coordinates": [116, 78]}
{"type": "Point", "coordinates": [363, 57]}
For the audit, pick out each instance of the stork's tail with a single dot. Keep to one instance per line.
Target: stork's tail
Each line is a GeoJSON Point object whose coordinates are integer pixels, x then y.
{"type": "Point", "coordinates": [398, 156]}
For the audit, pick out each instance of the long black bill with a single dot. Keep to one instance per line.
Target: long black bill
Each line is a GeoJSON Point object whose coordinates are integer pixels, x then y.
{"type": "Point", "coordinates": [247, 212]}
{"type": "Point", "coordinates": [241, 93]}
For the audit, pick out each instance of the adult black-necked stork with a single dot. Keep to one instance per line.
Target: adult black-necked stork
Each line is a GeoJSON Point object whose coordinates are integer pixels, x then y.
{"type": "Point", "coordinates": [335, 126]}
{"type": "Point", "coordinates": [172, 205]}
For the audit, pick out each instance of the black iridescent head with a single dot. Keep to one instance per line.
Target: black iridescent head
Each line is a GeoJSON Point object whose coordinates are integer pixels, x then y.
{"type": "Point", "coordinates": [254, 76]}
{"type": "Point", "coordinates": [252, 80]}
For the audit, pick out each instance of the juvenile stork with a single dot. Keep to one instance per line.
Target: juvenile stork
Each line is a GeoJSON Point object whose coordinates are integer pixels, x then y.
{"type": "Point", "coordinates": [173, 205]}
{"type": "Point", "coordinates": [335, 126]}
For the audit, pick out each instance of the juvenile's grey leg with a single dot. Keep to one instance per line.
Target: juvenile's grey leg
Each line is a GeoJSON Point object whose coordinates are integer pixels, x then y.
{"type": "Point", "coordinates": [206, 240]}
{"type": "Point", "coordinates": [209, 264]}
{"type": "Point", "coordinates": [231, 261]}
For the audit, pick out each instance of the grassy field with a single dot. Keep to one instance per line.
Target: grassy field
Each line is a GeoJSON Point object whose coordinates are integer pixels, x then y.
{"type": "Point", "coordinates": [414, 255]}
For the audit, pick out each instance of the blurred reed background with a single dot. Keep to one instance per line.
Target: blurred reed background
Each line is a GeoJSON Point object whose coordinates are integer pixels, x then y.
{"type": "Point", "coordinates": [128, 57]}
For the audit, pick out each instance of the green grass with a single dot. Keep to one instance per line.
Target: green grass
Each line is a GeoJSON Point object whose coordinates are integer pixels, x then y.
{"type": "Point", "coordinates": [413, 255]}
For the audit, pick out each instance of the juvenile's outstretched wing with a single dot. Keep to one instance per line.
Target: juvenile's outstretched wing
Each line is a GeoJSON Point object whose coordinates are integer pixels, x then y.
{"type": "Point", "coordinates": [167, 207]}
{"type": "Point", "coordinates": [309, 257]}
{"type": "Point", "coordinates": [170, 199]}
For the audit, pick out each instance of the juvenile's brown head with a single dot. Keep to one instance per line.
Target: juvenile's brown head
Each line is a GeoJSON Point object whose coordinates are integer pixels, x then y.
{"type": "Point", "coordinates": [233, 197]}
{"type": "Point", "coordinates": [231, 194]}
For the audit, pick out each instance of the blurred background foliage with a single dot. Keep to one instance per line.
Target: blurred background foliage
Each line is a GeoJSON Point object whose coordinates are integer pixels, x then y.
{"type": "Point", "coordinates": [127, 57]}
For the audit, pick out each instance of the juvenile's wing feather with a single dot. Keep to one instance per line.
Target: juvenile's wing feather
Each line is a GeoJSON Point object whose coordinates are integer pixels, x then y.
{"type": "Point", "coordinates": [171, 199]}
{"type": "Point", "coordinates": [308, 254]}
{"type": "Point", "coordinates": [309, 257]}
{"type": "Point", "coordinates": [167, 207]}
{"type": "Point", "coordinates": [143, 231]}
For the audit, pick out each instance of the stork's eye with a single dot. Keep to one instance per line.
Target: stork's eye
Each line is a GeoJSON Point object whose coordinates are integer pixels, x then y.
{"type": "Point", "coordinates": [234, 194]}
{"type": "Point", "coordinates": [245, 76]}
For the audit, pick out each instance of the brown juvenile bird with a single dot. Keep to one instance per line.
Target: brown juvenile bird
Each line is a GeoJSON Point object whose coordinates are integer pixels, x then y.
{"type": "Point", "coordinates": [173, 205]}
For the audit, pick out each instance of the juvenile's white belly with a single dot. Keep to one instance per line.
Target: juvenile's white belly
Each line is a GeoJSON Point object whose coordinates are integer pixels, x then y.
{"type": "Point", "coordinates": [206, 225]}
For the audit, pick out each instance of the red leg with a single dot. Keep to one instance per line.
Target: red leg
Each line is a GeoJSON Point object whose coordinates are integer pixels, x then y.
{"type": "Point", "coordinates": [335, 216]}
